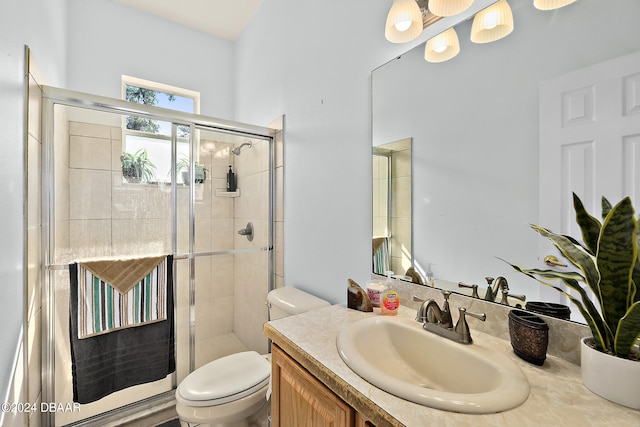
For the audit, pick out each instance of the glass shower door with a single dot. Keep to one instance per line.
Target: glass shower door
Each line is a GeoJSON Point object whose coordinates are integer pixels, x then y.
{"type": "Point", "coordinates": [232, 270]}
{"type": "Point", "coordinates": [96, 207]}
{"type": "Point", "coordinates": [99, 213]}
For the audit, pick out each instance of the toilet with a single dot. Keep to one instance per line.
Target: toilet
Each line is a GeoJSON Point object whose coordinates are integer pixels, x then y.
{"type": "Point", "coordinates": [232, 391]}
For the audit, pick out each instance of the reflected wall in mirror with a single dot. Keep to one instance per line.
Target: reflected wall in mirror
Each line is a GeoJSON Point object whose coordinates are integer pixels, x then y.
{"type": "Point", "coordinates": [475, 124]}
{"type": "Point", "coordinates": [391, 244]}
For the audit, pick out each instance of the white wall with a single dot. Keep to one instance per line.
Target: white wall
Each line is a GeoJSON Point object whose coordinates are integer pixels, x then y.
{"type": "Point", "coordinates": [11, 215]}
{"type": "Point", "coordinates": [312, 61]}
{"type": "Point", "coordinates": [41, 25]}
{"type": "Point", "coordinates": [107, 39]}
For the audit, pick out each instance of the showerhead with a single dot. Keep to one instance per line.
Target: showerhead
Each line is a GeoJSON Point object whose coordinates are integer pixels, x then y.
{"type": "Point", "coordinates": [236, 150]}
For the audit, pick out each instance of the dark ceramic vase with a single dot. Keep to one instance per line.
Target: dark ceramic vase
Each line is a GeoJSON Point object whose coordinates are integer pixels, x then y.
{"type": "Point", "coordinates": [529, 336]}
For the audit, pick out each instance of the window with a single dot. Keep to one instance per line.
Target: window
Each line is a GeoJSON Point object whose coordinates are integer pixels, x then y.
{"type": "Point", "coordinates": [153, 137]}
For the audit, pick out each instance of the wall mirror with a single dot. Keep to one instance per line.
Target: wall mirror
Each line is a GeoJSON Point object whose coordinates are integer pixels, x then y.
{"type": "Point", "coordinates": [474, 122]}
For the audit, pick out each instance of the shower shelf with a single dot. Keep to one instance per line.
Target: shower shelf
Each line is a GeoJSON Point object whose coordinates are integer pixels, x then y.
{"type": "Point", "coordinates": [221, 192]}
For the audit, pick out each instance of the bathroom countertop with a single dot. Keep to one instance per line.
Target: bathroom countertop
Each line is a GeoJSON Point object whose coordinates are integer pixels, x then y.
{"type": "Point", "coordinates": [557, 395]}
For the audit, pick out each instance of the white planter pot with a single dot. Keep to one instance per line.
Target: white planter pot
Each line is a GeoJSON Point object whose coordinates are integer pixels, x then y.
{"type": "Point", "coordinates": [611, 377]}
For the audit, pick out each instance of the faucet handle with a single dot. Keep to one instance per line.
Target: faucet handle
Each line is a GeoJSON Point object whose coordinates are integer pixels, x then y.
{"type": "Point", "coordinates": [505, 294]}
{"type": "Point", "coordinates": [462, 328]}
{"type": "Point", "coordinates": [479, 316]}
{"type": "Point", "coordinates": [474, 287]}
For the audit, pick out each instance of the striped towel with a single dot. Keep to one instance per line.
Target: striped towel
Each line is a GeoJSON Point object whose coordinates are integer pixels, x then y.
{"type": "Point", "coordinates": [380, 255]}
{"type": "Point", "coordinates": [103, 308]}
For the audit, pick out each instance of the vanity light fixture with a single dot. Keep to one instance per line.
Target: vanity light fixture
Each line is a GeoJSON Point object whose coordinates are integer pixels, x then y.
{"type": "Point", "coordinates": [492, 23]}
{"type": "Point", "coordinates": [404, 21]}
{"type": "Point", "coordinates": [551, 4]}
{"type": "Point", "coordinates": [448, 7]}
{"type": "Point", "coordinates": [442, 47]}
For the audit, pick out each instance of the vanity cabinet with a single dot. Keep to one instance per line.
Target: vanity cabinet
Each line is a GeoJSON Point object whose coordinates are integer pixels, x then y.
{"type": "Point", "coordinates": [300, 399]}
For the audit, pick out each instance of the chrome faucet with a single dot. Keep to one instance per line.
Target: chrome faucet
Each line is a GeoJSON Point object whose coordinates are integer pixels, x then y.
{"type": "Point", "coordinates": [430, 312]}
{"type": "Point", "coordinates": [439, 321]}
{"type": "Point", "coordinates": [500, 284]}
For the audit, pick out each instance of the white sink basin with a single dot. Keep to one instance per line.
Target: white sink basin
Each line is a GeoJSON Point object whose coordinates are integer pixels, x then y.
{"type": "Point", "coordinates": [399, 357]}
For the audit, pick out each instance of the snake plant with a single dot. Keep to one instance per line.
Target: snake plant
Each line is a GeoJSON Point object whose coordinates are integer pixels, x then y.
{"type": "Point", "coordinates": [609, 266]}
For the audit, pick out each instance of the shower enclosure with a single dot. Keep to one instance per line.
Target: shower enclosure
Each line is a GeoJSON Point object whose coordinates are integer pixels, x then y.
{"type": "Point", "coordinates": [91, 211]}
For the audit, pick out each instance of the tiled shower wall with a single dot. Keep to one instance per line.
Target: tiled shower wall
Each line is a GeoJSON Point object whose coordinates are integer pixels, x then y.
{"type": "Point", "coordinates": [108, 216]}
{"type": "Point", "coordinates": [228, 285]}
{"type": "Point", "coordinates": [401, 210]}
{"type": "Point", "coordinates": [380, 196]}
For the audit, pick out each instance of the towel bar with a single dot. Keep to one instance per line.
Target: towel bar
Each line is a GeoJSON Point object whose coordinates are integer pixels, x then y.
{"type": "Point", "coordinates": [54, 267]}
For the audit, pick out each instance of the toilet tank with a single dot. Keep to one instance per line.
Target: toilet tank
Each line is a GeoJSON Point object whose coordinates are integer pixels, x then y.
{"type": "Point", "coordinates": [287, 301]}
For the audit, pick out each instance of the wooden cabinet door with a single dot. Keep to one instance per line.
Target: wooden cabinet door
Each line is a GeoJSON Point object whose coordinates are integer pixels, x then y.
{"type": "Point", "coordinates": [299, 399]}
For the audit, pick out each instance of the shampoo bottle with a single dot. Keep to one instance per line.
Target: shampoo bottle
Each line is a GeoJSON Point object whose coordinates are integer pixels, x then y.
{"type": "Point", "coordinates": [231, 180]}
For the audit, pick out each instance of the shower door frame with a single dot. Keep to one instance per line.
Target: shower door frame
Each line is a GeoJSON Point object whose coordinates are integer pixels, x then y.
{"type": "Point", "coordinates": [52, 96]}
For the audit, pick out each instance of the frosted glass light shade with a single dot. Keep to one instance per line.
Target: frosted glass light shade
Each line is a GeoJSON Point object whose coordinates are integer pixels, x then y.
{"type": "Point", "coordinates": [404, 21]}
{"type": "Point", "coordinates": [442, 47]}
{"type": "Point", "coordinates": [551, 4]}
{"type": "Point", "coordinates": [448, 7]}
{"type": "Point", "coordinates": [492, 23]}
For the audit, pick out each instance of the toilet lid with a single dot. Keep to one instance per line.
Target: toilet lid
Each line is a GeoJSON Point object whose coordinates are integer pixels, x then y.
{"type": "Point", "coordinates": [226, 379]}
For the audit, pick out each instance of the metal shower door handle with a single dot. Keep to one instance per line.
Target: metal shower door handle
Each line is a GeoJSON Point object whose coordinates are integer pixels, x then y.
{"type": "Point", "coordinates": [247, 231]}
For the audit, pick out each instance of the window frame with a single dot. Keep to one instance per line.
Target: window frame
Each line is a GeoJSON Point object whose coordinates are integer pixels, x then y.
{"type": "Point", "coordinates": [165, 89]}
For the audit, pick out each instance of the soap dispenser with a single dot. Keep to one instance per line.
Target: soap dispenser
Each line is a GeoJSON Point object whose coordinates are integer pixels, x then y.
{"type": "Point", "coordinates": [390, 299]}
{"type": "Point", "coordinates": [231, 180]}
{"type": "Point", "coordinates": [389, 281]}
{"type": "Point", "coordinates": [429, 275]}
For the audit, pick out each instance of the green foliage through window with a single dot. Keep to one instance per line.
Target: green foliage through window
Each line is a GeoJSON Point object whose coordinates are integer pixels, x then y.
{"type": "Point", "coordinates": [144, 96]}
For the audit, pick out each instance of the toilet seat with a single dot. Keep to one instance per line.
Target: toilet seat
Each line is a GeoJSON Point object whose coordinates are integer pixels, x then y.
{"type": "Point", "coordinates": [225, 380]}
